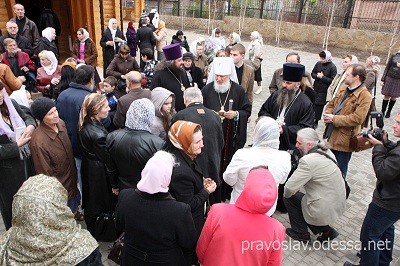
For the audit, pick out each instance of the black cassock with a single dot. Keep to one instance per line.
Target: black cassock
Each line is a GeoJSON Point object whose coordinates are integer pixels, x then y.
{"type": "Point", "coordinates": [235, 132]}
{"type": "Point", "coordinates": [297, 116]}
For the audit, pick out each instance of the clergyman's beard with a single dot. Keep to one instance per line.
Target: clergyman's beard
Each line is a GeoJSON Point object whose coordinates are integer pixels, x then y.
{"type": "Point", "coordinates": [223, 88]}
{"type": "Point", "coordinates": [285, 96]}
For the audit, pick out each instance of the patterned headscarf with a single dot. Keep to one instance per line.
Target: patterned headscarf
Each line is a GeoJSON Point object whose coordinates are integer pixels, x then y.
{"type": "Point", "coordinates": [156, 175]}
{"type": "Point", "coordinates": [266, 133]}
{"type": "Point", "coordinates": [328, 57]}
{"type": "Point", "coordinates": [44, 231]}
{"type": "Point", "coordinates": [140, 115]}
{"type": "Point", "coordinates": [16, 120]}
{"type": "Point", "coordinates": [181, 135]}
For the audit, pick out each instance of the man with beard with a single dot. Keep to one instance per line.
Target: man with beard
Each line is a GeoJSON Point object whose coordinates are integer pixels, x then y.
{"type": "Point", "coordinates": [169, 74]}
{"type": "Point", "coordinates": [292, 109]}
{"type": "Point", "coordinates": [229, 100]}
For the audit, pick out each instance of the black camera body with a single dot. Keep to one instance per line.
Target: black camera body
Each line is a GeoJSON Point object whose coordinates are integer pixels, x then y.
{"type": "Point", "coordinates": [377, 132]}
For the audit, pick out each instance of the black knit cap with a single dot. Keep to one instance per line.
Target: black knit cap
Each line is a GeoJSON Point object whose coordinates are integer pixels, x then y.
{"type": "Point", "coordinates": [41, 106]}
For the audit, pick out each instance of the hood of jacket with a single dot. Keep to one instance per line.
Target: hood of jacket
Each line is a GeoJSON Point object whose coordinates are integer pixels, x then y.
{"type": "Point", "coordinates": [158, 96]}
{"type": "Point", "coordinates": [259, 193]}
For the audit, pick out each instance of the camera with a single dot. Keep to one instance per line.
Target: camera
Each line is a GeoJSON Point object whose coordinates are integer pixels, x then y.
{"type": "Point", "coordinates": [377, 132]}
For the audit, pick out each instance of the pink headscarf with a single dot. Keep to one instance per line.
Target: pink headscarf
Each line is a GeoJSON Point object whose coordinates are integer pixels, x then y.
{"type": "Point", "coordinates": [16, 120]}
{"type": "Point", "coordinates": [156, 175]}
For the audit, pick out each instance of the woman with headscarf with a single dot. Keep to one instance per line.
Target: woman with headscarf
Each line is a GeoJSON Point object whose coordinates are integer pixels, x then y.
{"type": "Point", "coordinates": [218, 42]}
{"type": "Point", "coordinates": [24, 98]}
{"type": "Point", "coordinates": [97, 193]}
{"type": "Point", "coordinates": [131, 147]}
{"type": "Point", "coordinates": [234, 38]}
{"type": "Point", "coordinates": [164, 103]}
{"type": "Point", "coordinates": [44, 231]}
{"type": "Point", "coordinates": [185, 140]}
{"type": "Point", "coordinates": [15, 164]}
{"type": "Point", "coordinates": [47, 42]}
{"type": "Point", "coordinates": [111, 40]}
{"type": "Point", "coordinates": [147, 240]}
{"type": "Point", "coordinates": [323, 74]}
{"type": "Point", "coordinates": [85, 51]}
{"type": "Point", "coordinates": [372, 67]}
{"type": "Point", "coordinates": [49, 74]}
{"type": "Point", "coordinates": [194, 73]}
{"type": "Point", "coordinates": [263, 152]}
{"type": "Point", "coordinates": [161, 39]}
{"type": "Point", "coordinates": [253, 51]}
{"type": "Point", "coordinates": [131, 38]}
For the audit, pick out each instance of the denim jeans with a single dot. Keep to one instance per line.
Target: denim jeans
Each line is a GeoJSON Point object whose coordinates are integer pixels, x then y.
{"type": "Point", "coordinates": [343, 159]}
{"type": "Point", "coordinates": [377, 236]}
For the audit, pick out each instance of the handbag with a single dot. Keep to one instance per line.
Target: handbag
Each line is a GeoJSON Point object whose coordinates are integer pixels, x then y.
{"type": "Point", "coordinates": [104, 228]}
{"type": "Point", "coordinates": [359, 143]}
{"type": "Point", "coordinates": [116, 249]}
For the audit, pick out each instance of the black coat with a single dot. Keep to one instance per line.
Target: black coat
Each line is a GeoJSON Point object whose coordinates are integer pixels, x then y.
{"type": "Point", "coordinates": [209, 159]}
{"type": "Point", "coordinates": [157, 228]}
{"type": "Point", "coordinates": [187, 186]}
{"type": "Point", "coordinates": [299, 115]}
{"type": "Point", "coordinates": [97, 196]}
{"type": "Point", "coordinates": [321, 85]}
{"type": "Point", "coordinates": [171, 80]}
{"type": "Point", "coordinates": [183, 43]}
{"type": "Point", "coordinates": [130, 150]}
{"type": "Point", "coordinates": [109, 51]}
{"type": "Point", "coordinates": [12, 170]}
{"type": "Point", "coordinates": [197, 75]}
{"type": "Point", "coordinates": [145, 38]}
{"type": "Point", "coordinates": [45, 44]}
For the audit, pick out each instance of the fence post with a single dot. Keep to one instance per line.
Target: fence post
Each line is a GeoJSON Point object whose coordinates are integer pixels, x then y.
{"type": "Point", "coordinates": [347, 16]}
{"type": "Point", "coordinates": [301, 4]}
{"type": "Point", "coordinates": [201, 8]}
{"type": "Point", "coordinates": [262, 9]}
{"type": "Point", "coordinates": [229, 7]}
{"type": "Point", "coordinates": [179, 7]}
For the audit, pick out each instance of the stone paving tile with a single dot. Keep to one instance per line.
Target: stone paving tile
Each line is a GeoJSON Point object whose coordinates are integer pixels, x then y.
{"type": "Point", "coordinates": [360, 176]}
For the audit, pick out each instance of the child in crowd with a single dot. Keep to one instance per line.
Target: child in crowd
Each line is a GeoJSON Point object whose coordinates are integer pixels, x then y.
{"type": "Point", "coordinates": [112, 96]}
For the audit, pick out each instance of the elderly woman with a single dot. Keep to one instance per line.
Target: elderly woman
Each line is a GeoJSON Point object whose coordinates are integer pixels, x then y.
{"type": "Point", "coordinates": [97, 194]}
{"type": "Point", "coordinates": [194, 73]}
{"type": "Point", "coordinates": [44, 231]}
{"type": "Point", "coordinates": [130, 148]}
{"type": "Point", "coordinates": [253, 51]}
{"type": "Point", "coordinates": [111, 40]}
{"type": "Point", "coordinates": [263, 152]}
{"type": "Point", "coordinates": [122, 63]}
{"type": "Point", "coordinates": [187, 182]}
{"type": "Point", "coordinates": [14, 152]}
{"type": "Point", "coordinates": [164, 103]}
{"type": "Point", "coordinates": [234, 38]}
{"type": "Point", "coordinates": [49, 74]}
{"type": "Point", "coordinates": [47, 42]}
{"type": "Point", "coordinates": [161, 39]}
{"type": "Point", "coordinates": [147, 240]}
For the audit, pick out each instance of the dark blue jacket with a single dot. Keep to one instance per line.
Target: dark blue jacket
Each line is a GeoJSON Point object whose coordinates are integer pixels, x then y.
{"type": "Point", "coordinates": [69, 105]}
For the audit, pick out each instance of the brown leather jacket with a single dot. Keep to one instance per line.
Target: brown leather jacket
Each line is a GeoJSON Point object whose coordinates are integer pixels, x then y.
{"type": "Point", "coordinates": [90, 52]}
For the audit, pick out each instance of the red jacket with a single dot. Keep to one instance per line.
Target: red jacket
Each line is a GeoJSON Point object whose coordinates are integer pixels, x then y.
{"type": "Point", "coordinates": [23, 60]}
{"type": "Point", "coordinates": [242, 234]}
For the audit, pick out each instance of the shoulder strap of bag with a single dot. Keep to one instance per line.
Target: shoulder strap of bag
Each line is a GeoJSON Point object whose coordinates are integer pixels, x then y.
{"type": "Point", "coordinates": [327, 156]}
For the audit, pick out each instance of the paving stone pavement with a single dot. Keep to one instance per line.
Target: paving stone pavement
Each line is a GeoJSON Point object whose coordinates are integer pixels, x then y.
{"type": "Point", "coordinates": [360, 177]}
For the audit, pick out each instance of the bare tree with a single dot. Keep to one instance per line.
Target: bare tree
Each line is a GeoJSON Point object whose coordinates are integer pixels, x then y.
{"type": "Point", "coordinates": [329, 26]}
{"type": "Point", "coordinates": [278, 27]}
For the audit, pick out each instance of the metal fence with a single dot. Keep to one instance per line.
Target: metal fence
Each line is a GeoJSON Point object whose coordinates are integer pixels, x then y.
{"type": "Point", "coordinates": [375, 15]}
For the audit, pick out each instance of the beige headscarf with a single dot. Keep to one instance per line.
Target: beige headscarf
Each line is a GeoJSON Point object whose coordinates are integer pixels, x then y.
{"type": "Point", "coordinates": [43, 230]}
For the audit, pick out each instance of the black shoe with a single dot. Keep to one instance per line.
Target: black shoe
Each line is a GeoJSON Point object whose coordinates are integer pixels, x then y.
{"type": "Point", "coordinates": [303, 237]}
{"type": "Point", "coordinates": [350, 264]}
{"type": "Point", "coordinates": [387, 115]}
{"type": "Point", "coordinates": [327, 235]}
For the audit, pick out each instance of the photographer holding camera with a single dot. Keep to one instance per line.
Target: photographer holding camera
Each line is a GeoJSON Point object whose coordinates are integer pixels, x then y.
{"type": "Point", "coordinates": [377, 231]}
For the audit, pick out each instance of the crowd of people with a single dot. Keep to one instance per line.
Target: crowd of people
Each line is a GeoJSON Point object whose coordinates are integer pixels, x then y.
{"type": "Point", "coordinates": [163, 139]}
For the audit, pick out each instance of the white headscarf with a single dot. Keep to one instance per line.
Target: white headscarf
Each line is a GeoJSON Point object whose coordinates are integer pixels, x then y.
{"type": "Point", "coordinates": [20, 97]}
{"type": "Point", "coordinates": [266, 133]}
{"type": "Point", "coordinates": [230, 65]}
{"type": "Point", "coordinates": [54, 63]}
{"type": "Point", "coordinates": [193, 46]}
{"type": "Point", "coordinates": [47, 33]}
{"type": "Point", "coordinates": [110, 22]}
{"type": "Point", "coordinates": [258, 37]}
{"type": "Point", "coordinates": [156, 175]}
{"type": "Point", "coordinates": [85, 34]}
{"type": "Point", "coordinates": [328, 57]}
{"type": "Point", "coordinates": [16, 120]}
{"type": "Point", "coordinates": [354, 60]}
